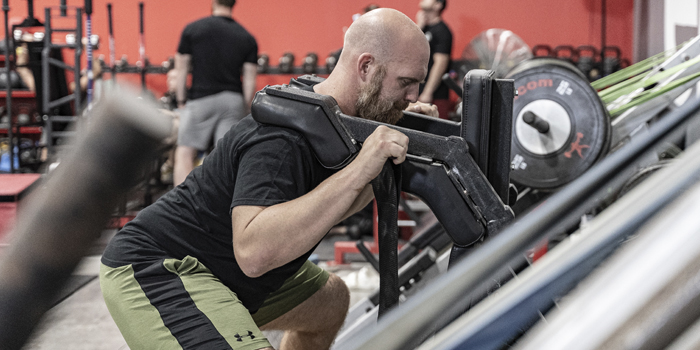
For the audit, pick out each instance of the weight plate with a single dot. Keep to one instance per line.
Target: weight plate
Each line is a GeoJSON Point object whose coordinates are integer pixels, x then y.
{"type": "Point", "coordinates": [560, 125]}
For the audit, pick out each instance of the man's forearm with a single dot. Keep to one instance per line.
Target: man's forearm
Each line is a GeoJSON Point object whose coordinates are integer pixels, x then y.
{"type": "Point", "coordinates": [281, 233]}
{"type": "Point", "coordinates": [265, 238]}
{"type": "Point", "coordinates": [249, 75]}
{"type": "Point", "coordinates": [432, 83]}
{"type": "Point", "coordinates": [182, 65]}
{"type": "Point", "coordinates": [440, 63]}
{"type": "Point", "coordinates": [181, 87]}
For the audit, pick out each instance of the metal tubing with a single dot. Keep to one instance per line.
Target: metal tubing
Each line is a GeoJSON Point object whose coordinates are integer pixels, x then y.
{"type": "Point", "coordinates": [111, 42]}
{"type": "Point", "coordinates": [142, 48]}
{"type": "Point", "coordinates": [78, 54]}
{"type": "Point", "coordinates": [443, 300]}
{"type": "Point", "coordinates": [88, 29]}
{"type": "Point", "coordinates": [46, 80]}
{"type": "Point", "coordinates": [646, 295]}
{"type": "Point", "coordinates": [501, 318]}
{"type": "Point", "coordinates": [62, 219]}
{"type": "Point", "coordinates": [8, 88]}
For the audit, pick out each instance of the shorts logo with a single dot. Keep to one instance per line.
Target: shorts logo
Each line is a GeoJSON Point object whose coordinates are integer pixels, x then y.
{"type": "Point", "coordinates": [240, 337]}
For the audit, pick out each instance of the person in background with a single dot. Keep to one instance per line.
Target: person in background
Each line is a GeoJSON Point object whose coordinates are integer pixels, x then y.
{"type": "Point", "coordinates": [439, 35]}
{"type": "Point", "coordinates": [219, 52]}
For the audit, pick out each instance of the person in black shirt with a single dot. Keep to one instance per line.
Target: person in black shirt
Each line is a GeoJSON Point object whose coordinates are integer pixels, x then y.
{"type": "Point", "coordinates": [224, 254]}
{"type": "Point", "coordinates": [218, 50]}
{"type": "Point", "coordinates": [439, 35]}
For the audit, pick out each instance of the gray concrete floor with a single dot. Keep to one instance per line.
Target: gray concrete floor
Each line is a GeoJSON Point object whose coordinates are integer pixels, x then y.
{"type": "Point", "coordinates": [82, 321]}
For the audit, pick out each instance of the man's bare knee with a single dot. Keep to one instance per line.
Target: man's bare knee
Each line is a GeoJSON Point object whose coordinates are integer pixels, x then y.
{"type": "Point", "coordinates": [338, 298]}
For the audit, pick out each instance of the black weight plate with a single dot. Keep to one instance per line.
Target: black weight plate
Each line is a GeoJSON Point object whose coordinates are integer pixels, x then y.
{"type": "Point", "coordinates": [579, 124]}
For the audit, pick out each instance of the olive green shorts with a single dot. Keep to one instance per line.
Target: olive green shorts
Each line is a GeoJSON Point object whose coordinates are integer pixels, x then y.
{"type": "Point", "coordinates": [180, 304]}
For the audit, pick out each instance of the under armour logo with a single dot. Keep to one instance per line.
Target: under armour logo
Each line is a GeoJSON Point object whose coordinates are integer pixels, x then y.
{"type": "Point", "coordinates": [240, 337]}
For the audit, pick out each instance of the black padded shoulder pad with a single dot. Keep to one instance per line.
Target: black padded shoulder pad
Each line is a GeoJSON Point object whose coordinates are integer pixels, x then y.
{"type": "Point", "coordinates": [476, 114]}
{"type": "Point", "coordinates": [310, 114]}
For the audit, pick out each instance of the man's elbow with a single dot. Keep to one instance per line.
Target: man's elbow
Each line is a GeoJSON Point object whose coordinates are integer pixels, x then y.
{"type": "Point", "coordinates": [251, 263]}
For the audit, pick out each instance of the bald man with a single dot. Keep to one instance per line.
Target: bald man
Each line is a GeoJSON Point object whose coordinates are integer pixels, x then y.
{"type": "Point", "coordinates": [225, 254]}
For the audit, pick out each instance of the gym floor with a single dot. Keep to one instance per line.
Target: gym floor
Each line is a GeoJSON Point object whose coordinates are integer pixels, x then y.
{"type": "Point", "coordinates": [81, 320]}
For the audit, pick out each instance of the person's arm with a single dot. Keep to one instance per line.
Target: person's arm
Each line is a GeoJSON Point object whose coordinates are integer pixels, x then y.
{"type": "Point", "coordinates": [182, 67]}
{"type": "Point", "coordinates": [265, 238]}
{"type": "Point", "coordinates": [420, 19]}
{"type": "Point", "coordinates": [250, 71]}
{"type": "Point", "coordinates": [440, 63]}
{"type": "Point", "coordinates": [22, 70]}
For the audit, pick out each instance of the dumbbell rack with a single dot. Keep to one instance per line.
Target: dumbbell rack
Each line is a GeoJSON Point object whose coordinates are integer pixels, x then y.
{"type": "Point", "coordinates": [49, 105]}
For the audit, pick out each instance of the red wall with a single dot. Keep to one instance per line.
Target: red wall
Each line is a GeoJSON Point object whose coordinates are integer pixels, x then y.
{"type": "Point", "coordinates": [316, 25]}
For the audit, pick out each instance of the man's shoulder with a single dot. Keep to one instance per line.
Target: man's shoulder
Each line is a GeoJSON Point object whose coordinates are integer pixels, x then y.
{"type": "Point", "coordinates": [241, 29]}
{"type": "Point", "coordinates": [199, 22]}
{"type": "Point", "coordinates": [442, 26]}
{"type": "Point", "coordinates": [209, 21]}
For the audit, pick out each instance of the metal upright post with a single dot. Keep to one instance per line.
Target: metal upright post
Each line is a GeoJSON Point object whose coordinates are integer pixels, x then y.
{"type": "Point", "coordinates": [78, 54]}
{"type": "Point", "coordinates": [47, 62]}
{"type": "Point", "coordinates": [88, 50]}
{"type": "Point", "coordinates": [45, 80]}
{"type": "Point", "coordinates": [603, 20]}
{"type": "Point", "coordinates": [8, 86]}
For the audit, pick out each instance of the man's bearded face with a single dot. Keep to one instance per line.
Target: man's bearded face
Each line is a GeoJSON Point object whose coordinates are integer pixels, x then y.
{"type": "Point", "coordinates": [370, 105]}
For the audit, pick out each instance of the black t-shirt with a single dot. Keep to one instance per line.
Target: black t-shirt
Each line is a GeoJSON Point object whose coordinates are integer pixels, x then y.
{"type": "Point", "coordinates": [219, 46]}
{"type": "Point", "coordinates": [440, 39]}
{"type": "Point", "coordinates": [253, 164]}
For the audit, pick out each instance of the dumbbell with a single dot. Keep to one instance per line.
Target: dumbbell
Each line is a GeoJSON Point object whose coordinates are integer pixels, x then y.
{"type": "Point", "coordinates": [542, 50]}
{"type": "Point", "coordinates": [612, 60]}
{"type": "Point", "coordinates": [310, 63]}
{"type": "Point", "coordinates": [123, 62]}
{"type": "Point", "coordinates": [332, 60]}
{"type": "Point", "coordinates": [15, 80]}
{"type": "Point", "coordinates": [286, 63]}
{"type": "Point", "coordinates": [589, 61]}
{"type": "Point", "coordinates": [566, 52]}
{"type": "Point", "coordinates": [263, 63]}
{"type": "Point", "coordinates": [23, 119]}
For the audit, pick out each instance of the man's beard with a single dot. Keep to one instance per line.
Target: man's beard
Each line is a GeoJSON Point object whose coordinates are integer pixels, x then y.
{"type": "Point", "coordinates": [371, 106]}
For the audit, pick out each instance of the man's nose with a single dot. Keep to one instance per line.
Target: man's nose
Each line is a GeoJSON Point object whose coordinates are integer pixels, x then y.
{"type": "Point", "coordinates": [412, 93]}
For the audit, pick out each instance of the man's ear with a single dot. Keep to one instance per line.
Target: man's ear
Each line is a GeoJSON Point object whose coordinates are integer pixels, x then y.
{"type": "Point", "coordinates": [364, 63]}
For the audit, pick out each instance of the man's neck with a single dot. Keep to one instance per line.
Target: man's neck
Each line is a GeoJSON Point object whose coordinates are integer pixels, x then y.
{"type": "Point", "coordinates": [432, 18]}
{"type": "Point", "coordinates": [342, 93]}
{"type": "Point", "coordinates": [222, 11]}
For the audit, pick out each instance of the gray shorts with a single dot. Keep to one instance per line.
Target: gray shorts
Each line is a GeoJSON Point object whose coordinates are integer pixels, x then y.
{"type": "Point", "coordinates": [206, 120]}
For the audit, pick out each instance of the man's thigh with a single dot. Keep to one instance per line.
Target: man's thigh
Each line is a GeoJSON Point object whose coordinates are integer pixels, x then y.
{"type": "Point", "coordinates": [197, 124]}
{"type": "Point", "coordinates": [177, 304]}
{"type": "Point", "coordinates": [230, 110]}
